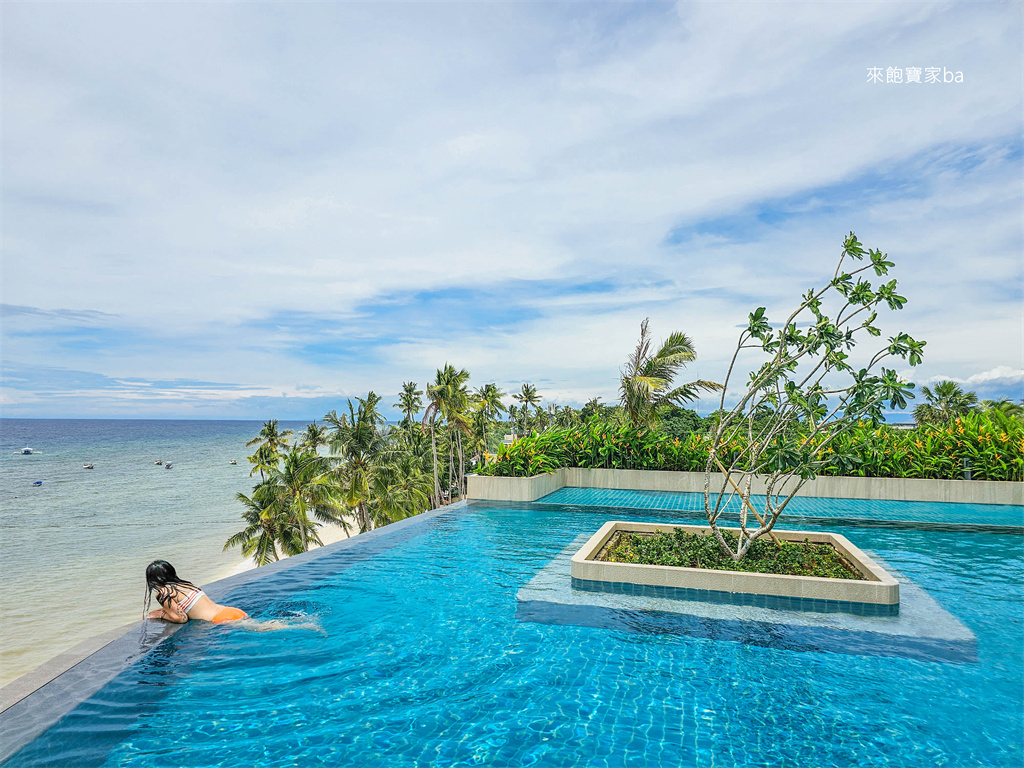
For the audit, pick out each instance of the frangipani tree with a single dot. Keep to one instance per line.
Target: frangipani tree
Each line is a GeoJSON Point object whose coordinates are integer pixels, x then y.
{"type": "Point", "coordinates": [804, 395]}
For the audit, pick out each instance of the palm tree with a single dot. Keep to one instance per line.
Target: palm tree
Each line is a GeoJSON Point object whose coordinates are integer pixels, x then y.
{"type": "Point", "coordinates": [488, 400]}
{"type": "Point", "coordinates": [487, 405]}
{"type": "Point", "coordinates": [357, 442]}
{"type": "Point", "coordinates": [409, 401]}
{"type": "Point", "coordinates": [306, 494]}
{"type": "Point", "coordinates": [271, 440]}
{"type": "Point", "coordinates": [265, 528]}
{"type": "Point", "coordinates": [566, 417]}
{"type": "Point", "coordinates": [400, 486]}
{"type": "Point", "coordinates": [646, 382]}
{"type": "Point", "coordinates": [519, 419]}
{"type": "Point", "coordinates": [314, 436]}
{"type": "Point", "coordinates": [528, 396]}
{"type": "Point", "coordinates": [944, 403]}
{"type": "Point", "coordinates": [449, 398]}
{"type": "Point", "coordinates": [272, 436]}
{"type": "Point", "coordinates": [430, 417]}
{"type": "Point", "coordinates": [1005, 406]}
{"type": "Point", "coordinates": [263, 461]}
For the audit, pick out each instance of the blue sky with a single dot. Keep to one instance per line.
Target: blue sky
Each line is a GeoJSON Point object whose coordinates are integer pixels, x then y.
{"type": "Point", "coordinates": [234, 210]}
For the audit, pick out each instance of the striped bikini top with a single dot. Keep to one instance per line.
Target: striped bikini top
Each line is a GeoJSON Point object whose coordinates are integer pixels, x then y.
{"type": "Point", "coordinates": [194, 593]}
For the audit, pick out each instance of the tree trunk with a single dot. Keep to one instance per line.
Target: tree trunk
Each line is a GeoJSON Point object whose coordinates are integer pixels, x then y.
{"type": "Point", "coordinates": [437, 484]}
{"type": "Point", "coordinates": [451, 463]}
{"type": "Point", "coordinates": [462, 468]}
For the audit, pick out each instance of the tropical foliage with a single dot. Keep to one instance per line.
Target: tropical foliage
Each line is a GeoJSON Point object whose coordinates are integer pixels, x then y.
{"type": "Point", "coordinates": [645, 384]}
{"type": "Point", "coordinates": [946, 402]}
{"type": "Point", "coordinates": [806, 394]}
{"type": "Point", "coordinates": [356, 471]}
{"type": "Point", "coordinates": [990, 443]}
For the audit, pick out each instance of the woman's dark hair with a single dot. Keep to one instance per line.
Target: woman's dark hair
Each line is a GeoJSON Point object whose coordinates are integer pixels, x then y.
{"type": "Point", "coordinates": [162, 578]}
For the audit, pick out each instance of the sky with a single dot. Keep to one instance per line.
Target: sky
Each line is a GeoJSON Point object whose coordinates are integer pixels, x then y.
{"type": "Point", "coordinates": [258, 210]}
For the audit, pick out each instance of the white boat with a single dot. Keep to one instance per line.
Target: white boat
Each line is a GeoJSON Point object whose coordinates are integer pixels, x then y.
{"type": "Point", "coordinates": [88, 466]}
{"type": "Point", "coordinates": [26, 451]}
{"type": "Point", "coordinates": [167, 465]}
{"type": "Point", "coordinates": [232, 462]}
{"type": "Point", "coordinates": [158, 461]}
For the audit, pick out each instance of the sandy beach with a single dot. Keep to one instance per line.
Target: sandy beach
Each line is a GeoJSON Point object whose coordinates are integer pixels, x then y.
{"type": "Point", "coordinates": [328, 535]}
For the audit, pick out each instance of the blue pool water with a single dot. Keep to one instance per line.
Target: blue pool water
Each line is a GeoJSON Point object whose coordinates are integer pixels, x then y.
{"type": "Point", "coordinates": [875, 510]}
{"type": "Point", "coordinates": [426, 659]}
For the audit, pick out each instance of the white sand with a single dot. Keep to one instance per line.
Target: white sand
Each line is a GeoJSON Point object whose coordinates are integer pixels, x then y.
{"type": "Point", "coordinates": [328, 535]}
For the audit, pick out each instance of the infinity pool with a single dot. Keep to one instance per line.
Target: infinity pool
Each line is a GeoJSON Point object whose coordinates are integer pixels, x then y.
{"type": "Point", "coordinates": [426, 659]}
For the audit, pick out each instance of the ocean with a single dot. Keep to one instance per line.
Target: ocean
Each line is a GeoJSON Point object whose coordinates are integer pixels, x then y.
{"type": "Point", "coordinates": [73, 551]}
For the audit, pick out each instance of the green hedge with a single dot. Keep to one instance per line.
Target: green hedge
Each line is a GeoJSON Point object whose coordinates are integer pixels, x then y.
{"type": "Point", "coordinates": [992, 443]}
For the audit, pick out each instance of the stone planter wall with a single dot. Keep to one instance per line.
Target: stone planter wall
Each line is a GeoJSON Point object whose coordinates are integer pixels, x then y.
{"type": "Point", "coordinates": [878, 586]}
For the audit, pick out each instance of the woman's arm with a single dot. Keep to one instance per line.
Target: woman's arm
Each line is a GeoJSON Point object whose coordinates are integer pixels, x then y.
{"type": "Point", "coordinates": [169, 612]}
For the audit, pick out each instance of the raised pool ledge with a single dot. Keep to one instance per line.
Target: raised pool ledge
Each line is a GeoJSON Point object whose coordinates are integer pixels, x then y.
{"type": "Point", "coordinates": [878, 588]}
{"type": "Point", "coordinates": [487, 488]}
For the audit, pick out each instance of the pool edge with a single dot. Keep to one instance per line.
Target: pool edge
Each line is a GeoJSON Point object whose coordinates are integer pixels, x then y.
{"type": "Point", "coordinates": [139, 641]}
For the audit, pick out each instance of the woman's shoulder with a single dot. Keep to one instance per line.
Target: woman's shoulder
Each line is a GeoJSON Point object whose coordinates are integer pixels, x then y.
{"type": "Point", "coordinates": [176, 592]}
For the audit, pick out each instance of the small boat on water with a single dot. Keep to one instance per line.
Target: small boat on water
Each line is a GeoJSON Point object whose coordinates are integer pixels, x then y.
{"type": "Point", "coordinates": [158, 462]}
{"type": "Point", "coordinates": [168, 465]}
{"type": "Point", "coordinates": [37, 483]}
{"type": "Point", "coordinates": [88, 466]}
{"type": "Point", "coordinates": [232, 462]}
{"type": "Point", "coordinates": [27, 451]}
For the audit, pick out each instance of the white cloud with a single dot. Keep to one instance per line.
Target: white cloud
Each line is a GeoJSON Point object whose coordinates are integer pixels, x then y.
{"type": "Point", "coordinates": [1002, 375]}
{"type": "Point", "coordinates": [199, 170]}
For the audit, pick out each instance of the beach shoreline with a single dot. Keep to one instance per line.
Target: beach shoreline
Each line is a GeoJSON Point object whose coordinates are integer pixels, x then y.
{"type": "Point", "coordinates": [329, 533]}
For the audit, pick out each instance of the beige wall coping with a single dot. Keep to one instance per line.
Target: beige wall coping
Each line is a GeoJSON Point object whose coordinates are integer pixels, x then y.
{"type": "Point", "coordinates": [485, 487]}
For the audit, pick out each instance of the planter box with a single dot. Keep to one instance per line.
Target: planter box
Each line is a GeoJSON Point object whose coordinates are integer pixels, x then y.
{"type": "Point", "coordinates": [879, 589]}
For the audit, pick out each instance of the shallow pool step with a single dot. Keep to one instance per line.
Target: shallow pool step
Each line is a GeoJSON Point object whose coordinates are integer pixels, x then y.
{"type": "Point", "coordinates": [922, 630]}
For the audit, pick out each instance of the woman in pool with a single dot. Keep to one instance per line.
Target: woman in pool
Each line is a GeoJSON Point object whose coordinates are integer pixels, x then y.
{"type": "Point", "coordinates": [182, 600]}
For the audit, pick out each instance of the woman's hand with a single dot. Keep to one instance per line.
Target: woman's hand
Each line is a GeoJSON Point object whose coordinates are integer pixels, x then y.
{"type": "Point", "coordinates": [170, 612]}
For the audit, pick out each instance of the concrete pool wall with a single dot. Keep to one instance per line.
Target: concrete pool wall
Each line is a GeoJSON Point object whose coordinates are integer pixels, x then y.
{"type": "Point", "coordinates": [485, 488]}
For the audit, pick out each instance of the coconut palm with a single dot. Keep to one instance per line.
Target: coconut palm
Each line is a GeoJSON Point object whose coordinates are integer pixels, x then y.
{"type": "Point", "coordinates": [488, 400]}
{"type": "Point", "coordinates": [400, 485]}
{"type": "Point", "coordinates": [314, 436]}
{"type": "Point", "coordinates": [428, 425]}
{"type": "Point", "coordinates": [1005, 406]}
{"type": "Point", "coordinates": [519, 419]}
{"type": "Point", "coordinates": [356, 442]}
{"type": "Point", "coordinates": [271, 441]}
{"type": "Point", "coordinates": [947, 401]}
{"type": "Point", "coordinates": [646, 382]}
{"type": "Point", "coordinates": [487, 405]}
{"type": "Point", "coordinates": [409, 401]}
{"type": "Point", "coordinates": [263, 461]}
{"type": "Point", "coordinates": [266, 529]}
{"type": "Point", "coordinates": [272, 436]}
{"type": "Point", "coordinates": [306, 494]}
{"type": "Point", "coordinates": [528, 396]}
{"type": "Point", "coordinates": [449, 398]}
